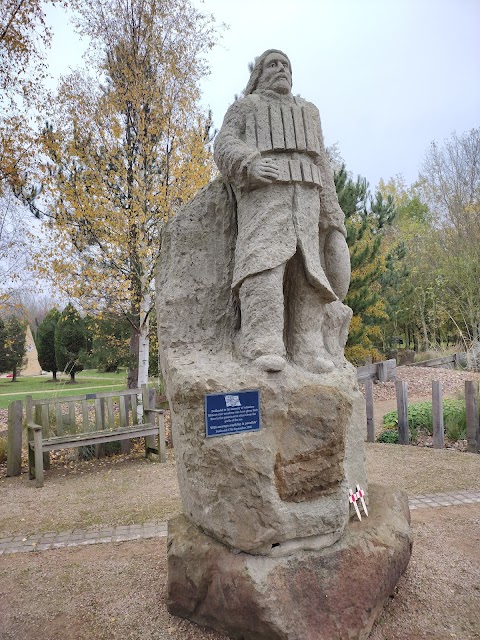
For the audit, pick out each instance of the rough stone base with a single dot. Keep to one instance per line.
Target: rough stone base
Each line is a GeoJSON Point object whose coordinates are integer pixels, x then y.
{"type": "Point", "coordinates": [284, 483]}
{"type": "Point", "coordinates": [332, 594]}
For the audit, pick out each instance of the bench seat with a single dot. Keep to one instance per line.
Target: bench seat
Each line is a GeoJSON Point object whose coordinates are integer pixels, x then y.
{"type": "Point", "coordinates": [48, 412]}
{"type": "Point", "coordinates": [96, 437]}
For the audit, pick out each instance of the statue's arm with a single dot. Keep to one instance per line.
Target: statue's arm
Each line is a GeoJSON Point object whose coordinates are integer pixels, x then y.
{"type": "Point", "coordinates": [332, 216]}
{"type": "Point", "coordinates": [232, 155]}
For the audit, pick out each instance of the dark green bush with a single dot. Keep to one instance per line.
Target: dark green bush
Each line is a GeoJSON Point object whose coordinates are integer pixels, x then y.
{"type": "Point", "coordinates": [420, 418]}
{"type": "Point", "coordinates": [389, 436]}
{"type": "Point", "coordinates": [455, 420]}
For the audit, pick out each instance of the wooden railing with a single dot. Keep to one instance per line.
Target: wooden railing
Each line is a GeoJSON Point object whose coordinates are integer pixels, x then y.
{"type": "Point", "coordinates": [378, 372]}
{"type": "Point", "coordinates": [453, 360]}
{"type": "Point", "coordinates": [472, 417]}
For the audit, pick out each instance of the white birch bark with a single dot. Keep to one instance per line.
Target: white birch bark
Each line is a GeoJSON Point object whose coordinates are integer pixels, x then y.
{"type": "Point", "coordinates": [143, 347]}
{"type": "Point", "coordinates": [143, 343]}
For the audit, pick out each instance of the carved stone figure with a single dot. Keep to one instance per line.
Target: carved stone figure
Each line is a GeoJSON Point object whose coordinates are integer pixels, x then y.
{"type": "Point", "coordinates": [250, 279]}
{"type": "Point", "coordinates": [291, 257]}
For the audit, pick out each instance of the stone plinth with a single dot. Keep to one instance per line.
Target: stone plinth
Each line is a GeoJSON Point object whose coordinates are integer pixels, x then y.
{"type": "Point", "coordinates": [281, 488]}
{"type": "Point", "coordinates": [332, 594]}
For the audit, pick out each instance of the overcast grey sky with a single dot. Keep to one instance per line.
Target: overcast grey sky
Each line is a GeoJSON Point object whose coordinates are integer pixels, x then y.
{"type": "Point", "coordinates": [389, 76]}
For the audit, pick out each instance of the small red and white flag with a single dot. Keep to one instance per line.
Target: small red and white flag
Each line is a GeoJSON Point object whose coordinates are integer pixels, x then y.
{"type": "Point", "coordinates": [360, 496]}
{"type": "Point", "coordinates": [352, 498]}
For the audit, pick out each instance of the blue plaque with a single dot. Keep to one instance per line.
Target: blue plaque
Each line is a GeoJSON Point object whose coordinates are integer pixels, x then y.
{"type": "Point", "coordinates": [233, 412]}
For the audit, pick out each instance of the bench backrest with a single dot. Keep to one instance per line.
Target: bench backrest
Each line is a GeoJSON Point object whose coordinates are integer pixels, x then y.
{"type": "Point", "coordinates": [90, 412]}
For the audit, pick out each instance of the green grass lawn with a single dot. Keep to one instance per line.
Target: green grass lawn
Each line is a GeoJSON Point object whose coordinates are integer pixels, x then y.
{"type": "Point", "coordinates": [43, 386]}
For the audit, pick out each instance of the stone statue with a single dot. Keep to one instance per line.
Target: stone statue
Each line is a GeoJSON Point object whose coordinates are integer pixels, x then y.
{"type": "Point", "coordinates": [291, 257]}
{"type": "Point", "coordinates": [250, 281]}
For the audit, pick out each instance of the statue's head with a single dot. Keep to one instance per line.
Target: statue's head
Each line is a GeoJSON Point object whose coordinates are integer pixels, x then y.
{"type": "Point", "coordinates": [272, 70]}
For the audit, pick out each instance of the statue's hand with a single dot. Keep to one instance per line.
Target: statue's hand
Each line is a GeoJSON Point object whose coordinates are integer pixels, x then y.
{"type": "Point", "coordinates": [264, 170]}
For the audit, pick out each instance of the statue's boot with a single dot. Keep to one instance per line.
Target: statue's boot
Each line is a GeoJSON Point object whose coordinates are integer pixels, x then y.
{"type": "Point", "coordinates": [262, 311]}
{"type": "Point", "coordinates": [306, 312]}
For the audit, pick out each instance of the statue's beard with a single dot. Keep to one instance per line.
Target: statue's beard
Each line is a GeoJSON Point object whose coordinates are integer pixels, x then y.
{"type": "Point", "coordinates": [276, 86]}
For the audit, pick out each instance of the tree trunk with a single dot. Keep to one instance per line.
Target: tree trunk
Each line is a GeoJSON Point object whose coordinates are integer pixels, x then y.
{"type": "Point", "coordinates": [132, 380]}
{"type": "Point", "coordinates": [72, 376]}
{"type": "Point", "coordinates": [143, 340]}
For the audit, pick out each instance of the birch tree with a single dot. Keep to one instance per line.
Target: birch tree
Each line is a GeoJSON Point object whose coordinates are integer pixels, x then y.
{"type": "Point", "coordinates": [127, 145]}
{"type": "Point", "coordinates": [24, 37]}
{"type": "Point", "coordinates": [450, 183]}
{"type": "Point", "coordinates": [14, 250]}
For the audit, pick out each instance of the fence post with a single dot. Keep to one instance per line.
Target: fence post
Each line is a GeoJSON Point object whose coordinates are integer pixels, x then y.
{"type": "Point", "coordinates": [170, 433]}
{"type": "Point", "coordinates": [471, 405]}
{"type": "Point", "coordinates": [162, 453]}
{"type": "Point", "coordinates": [437, 415]}
{"type": "Point", "coordinates": [369, 405]}
{"type": "Point", "coordinates": [14, 439]}
{"type": "Point", "coordinates": [125, 445]}
{"type": "Point", "coordinates": [100, 448]}
{"type": "Point", "coordinates": [150, 401]}
{"type": "Point", "coordinates": [402, 411]}
{"type": "Point", "coordinates": [382, 371]}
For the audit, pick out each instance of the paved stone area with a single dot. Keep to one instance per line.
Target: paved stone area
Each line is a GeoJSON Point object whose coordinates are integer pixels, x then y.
{"type": "Point", "coordinates": [444, 499]}
{"type": "Point", "coordinates": [158, 529]}
{"type": "Point", "coordinates": [77, 537]}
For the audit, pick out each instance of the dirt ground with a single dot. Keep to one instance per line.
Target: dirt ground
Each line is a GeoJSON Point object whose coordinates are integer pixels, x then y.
{"type": "Point", "coordinates": [86, 494]}
{"type": "Point", "coordinates": [117, 591]}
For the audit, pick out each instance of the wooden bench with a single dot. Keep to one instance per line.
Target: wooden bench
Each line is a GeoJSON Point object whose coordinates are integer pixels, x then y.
{"type": "Point", "coordinates": [91, 419]}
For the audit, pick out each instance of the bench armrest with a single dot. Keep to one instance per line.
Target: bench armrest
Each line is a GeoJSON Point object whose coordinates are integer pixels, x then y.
{"type": "Point", "coordinates": [34, 427]}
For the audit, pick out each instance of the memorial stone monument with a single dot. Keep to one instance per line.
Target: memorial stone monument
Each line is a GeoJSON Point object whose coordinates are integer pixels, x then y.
{"type": "Point", "coordinates": [250, 283]}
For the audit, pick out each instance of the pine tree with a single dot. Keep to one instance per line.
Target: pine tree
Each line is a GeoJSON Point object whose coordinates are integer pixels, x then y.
{"type": "Point", "coordinates": [70, 341]}
{"type": "Point", "coordinates": [365, 219]}
{"type": "Point", "coordinates": [405, 287]}
{"type": "Point", "coordinates": [109, 342]}
{"type": "Point", "coordinates": [3, 353]}
{"type": "Point", "coordinates": [14, 338]}
{"type": "Point", "coordinates": [45, 342]}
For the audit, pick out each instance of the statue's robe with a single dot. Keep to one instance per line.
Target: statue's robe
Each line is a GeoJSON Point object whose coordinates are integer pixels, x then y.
{"type": "Point", "coordinates": [297, 210]}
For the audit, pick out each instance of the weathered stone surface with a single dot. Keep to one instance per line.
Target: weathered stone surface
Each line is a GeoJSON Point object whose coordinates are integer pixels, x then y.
{"type": "Point", "coordinates": [332, 594]}
{"type": "Point", "coordinates": [287, 482]}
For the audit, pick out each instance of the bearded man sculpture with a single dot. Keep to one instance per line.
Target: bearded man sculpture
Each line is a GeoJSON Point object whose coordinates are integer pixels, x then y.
{"type": "Point", "coordinates": [291, 257]}
{"type": "Point", "coordinates": [250, 281]}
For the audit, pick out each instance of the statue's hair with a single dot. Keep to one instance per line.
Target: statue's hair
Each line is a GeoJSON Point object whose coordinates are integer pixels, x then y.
{"type": "Point", "coordinates": [258, 68]}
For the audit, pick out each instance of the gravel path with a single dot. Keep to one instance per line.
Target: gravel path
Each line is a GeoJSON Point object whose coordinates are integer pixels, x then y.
{"type": "Point", "coordinates": [116, 591]}
{"type": "Point", "coordinates": [125, 533]}
{"type": "Point", "coordinates": [419, 383]}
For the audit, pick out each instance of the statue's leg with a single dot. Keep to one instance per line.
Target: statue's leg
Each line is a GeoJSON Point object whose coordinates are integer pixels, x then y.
{"type": "Point", "coordinates": [336, 324]}
{"type": "Point", "coordinates": [262, 311]}
{"type": "Point", "coordinates": [305, 312]}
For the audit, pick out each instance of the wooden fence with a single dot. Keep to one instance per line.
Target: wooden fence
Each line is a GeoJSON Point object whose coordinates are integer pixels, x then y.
{"type": "Point", "coordinates": [450, 362]}
{"type": "Point", "coordinates": [379, 372]}
{"type": "Point", "coordinates": [385, 371]}
{"type": "Point", "coordinates": [471, 406]}
{"type": "Point", "coordinates": [401, 391]}
{"type": "Point", "coordinates": [370, 373]}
